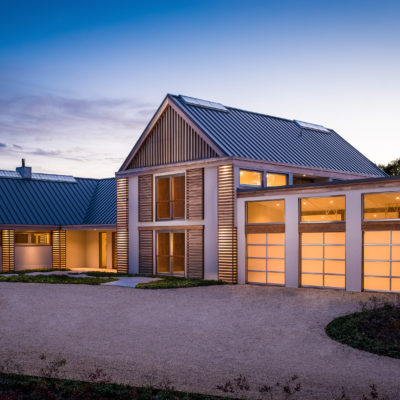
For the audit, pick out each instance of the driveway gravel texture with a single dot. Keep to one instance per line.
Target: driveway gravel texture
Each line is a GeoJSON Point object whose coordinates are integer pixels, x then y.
{"type": "Point", "coordinates": [194, 338]}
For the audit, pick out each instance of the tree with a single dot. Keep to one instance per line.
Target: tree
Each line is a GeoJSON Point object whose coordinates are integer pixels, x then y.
{"type": "Point", "coordinates": [393, 168]}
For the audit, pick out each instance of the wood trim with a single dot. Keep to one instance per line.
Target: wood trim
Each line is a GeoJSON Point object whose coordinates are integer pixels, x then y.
{"type": "Point", "coordinates": [145, 198]}
{"type": "Point", "coordinates": [381, 226]}
{"type": "Point", "coordinates": [195, 254]}
{"type": "Point", "coordinates": [122, 225]}
{"type": "Point", "coordinates": [267, 228]}
{"type": "Point", "coordinates": [59, 249]}
{"type": "Point", "coordinates": [323, 227]}
{"type": "Point", "coordinates": [146, 243]}
{"type": "Point", "coordinates": [195, 194]}
{"type": "Point", "coordinates": [7, 250]}
{"type": "Point", "coordinates": [171, 227]}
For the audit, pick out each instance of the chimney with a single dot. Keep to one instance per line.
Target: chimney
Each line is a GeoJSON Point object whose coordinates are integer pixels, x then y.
{"type": "Point", "coordinates": [25, 172]}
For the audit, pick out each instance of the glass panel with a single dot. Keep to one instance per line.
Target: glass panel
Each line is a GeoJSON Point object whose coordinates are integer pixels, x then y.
{"type": "Point", "coordinates": [178, 252]}
{"type": "Point", "coordinates": [103, 250]}
{"type": "Point", "coordinates": [335, 252]}
{"type": "Point", "coordinates": [322, 209]}
{"type": "Point", "coordinates": [163, 252]}
{"type": "Point", "coordinates": [376, 268]}
{"type": "Point", "coordinates": [311, 280]}
{"type": "Point", "coordinates": [396, 285]}
{"type": "Point", "coordinates": [372, 283]}
{"type": "Point", "coordinates": [257, 264]}
{"type": "Point", "coordinates": [264, 212]}
{"type": "Point", "coordinates": [276, 265]}
{"type": "Point", "coordinates": [335, 238]}
{"type": "Point", "coordinates": [376, 252]}
{"type": "Point", "coordinates": [378, 237]}
{"type": "Point", "coordinates": [396, 253]}
{"type": "Point", "coordinates": [335, 267]}
{"type": "Point", "coordinates": [256, 238]}
{"type": "Point", "coordinates": [178, 196]}
{"type": "Point", "coordinates": [276, 179]}
{"type": "Point", "coordinates": [21, 238]}
{"type": "Point", "coordinates": [382, 206]}
{"type": "Point", "coordinates": [312, 252]}
{"type": "Point", "coordinates": [335, 281]}
{"type": "Point", "coordinates": [276, 238]}
{"type": "Point", "coordinates": [256, 277]}
{"type": "Point", "coordinates": [312, 265]}
{"type": "Point", "coordinates": [257, 251]}
{"type": "Point", "coordinates": [250, 178]}
{"type": "Point", "coordinates": [276, 251]}
{"type": "Point", "coordinates": [312, 238]}
{"type": "Point", "coordinates": [163, 198]}
{"type": "Point", "coordinates": [41, 238]}
{"type": "Point", "coordinates": [276, 278]}
{"type": "Point", "coordinates": [396, 269]}
{"type": "Point", "coordinates": [396, 237]}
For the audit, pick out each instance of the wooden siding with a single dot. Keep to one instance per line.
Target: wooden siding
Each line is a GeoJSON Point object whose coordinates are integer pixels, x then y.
{"type": "Point", "coordinates": [122, 225]}
{"type": "Point", "coordinates": [195, 194]}
{"type": "Point", "coordinates": [265, 228]}
{"type": "Point", "coordinates": [227, 232]}
{"type": "Point", "coordinates": [323, 227]}
{"type": "Point", "coordinates": [145, 204]}
{"type": "Point", "coordinates": [59, 249]}
{"type": "Point", "coordinates": [381, 226]}
{"type": "Point", "coordinates": [195, 253]}
{"type": "Point", "coordinates": [7, 251]}
{"type": "Point", "coordinates": [146, 252]}
{"type": "Point", "coordinates": [171, 140]}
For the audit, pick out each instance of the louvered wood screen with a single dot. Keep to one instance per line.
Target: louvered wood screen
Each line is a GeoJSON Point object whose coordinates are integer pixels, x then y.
{"type": "Point", "coordinates": [171, 140]}
{"type": "Point", "coordinates": [146, 252]}
{"type": "Point", "coordinates": [145, 187]}
{"type": "Point", "coordinates": [227, 232]}
{"type": "Point", "coordinates": [195, 194]}
{"type": "Point", "coordinates": [7, 251]}
{"type": "Point", "coordinates": [59, 249]}
{"type": "Point", "coordinates": [195, 253]}
{"type": "Point", "coordinates": [122, 225]}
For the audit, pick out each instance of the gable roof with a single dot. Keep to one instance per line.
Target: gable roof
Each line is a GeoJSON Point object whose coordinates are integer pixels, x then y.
{"type": "Point", "coordinates": [79, 201]}
{"type": "Point", "coordinates": [251, 135]}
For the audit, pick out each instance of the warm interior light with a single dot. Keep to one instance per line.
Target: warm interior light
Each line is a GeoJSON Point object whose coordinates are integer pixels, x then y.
{"type": "Point", "coordinates": [277, 204]}
{"type": "Point", "coordinates": [331, 202]}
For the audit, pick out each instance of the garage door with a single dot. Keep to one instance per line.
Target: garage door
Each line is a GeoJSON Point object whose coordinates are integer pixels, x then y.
{"type": "Point", "coordinates": [266, 258]}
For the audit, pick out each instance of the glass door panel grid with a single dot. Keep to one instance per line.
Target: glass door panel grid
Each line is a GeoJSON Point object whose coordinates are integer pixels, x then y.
{"type": "Point", "coordinates": [323, 260]}
{"type": "Point", "coordinates": [381, 262]}
{"type": "Point", "coordinates": [266, 258]}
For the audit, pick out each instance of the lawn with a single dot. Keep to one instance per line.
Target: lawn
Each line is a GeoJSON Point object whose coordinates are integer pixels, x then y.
{"type": "Point", "coordinates": [55, 279]}
{"type": "Point", "coordinates": [171, 282]}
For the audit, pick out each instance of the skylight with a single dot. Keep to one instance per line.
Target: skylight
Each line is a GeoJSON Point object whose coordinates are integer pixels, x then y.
{"type": "Point", "coordinates": [314, 127]}
{"type": "Point", "coordinates": [204, 103]}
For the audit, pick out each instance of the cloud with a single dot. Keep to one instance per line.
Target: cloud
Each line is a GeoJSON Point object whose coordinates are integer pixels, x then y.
{"type": "Point", "coordinates": [3, 145]}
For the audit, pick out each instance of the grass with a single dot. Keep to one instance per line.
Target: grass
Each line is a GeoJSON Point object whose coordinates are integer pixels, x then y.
{"type": "Point", "coordinates": [25, 387]}
{"type": "Point", "coordinates": [27, 271]}
{"type": "Point", "coordinates": [55, 279]}
{"type": "Point", "coordinates": [171, 282]}
{"type": "Point", "coordinates": [375, 330]}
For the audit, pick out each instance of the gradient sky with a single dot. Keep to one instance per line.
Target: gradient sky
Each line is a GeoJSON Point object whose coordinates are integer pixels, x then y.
{"type": "Point", "coordinates": [79, 80]}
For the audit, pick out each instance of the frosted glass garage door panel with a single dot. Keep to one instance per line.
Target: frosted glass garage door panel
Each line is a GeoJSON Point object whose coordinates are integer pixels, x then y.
{"type": "Point", "coordinates": [335, 281]}
{"type": "Point", "coordinates": [374, 283]}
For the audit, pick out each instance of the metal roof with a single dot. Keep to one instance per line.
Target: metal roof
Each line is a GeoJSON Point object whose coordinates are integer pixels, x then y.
{"type": "Point", "coordinates": [257, 136]}
{"type": "Point", "coordinates": [46, 202]}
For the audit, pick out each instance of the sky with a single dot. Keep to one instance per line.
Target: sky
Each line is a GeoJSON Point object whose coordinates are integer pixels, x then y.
{"type": "Point", "coordinates": [79, 80]}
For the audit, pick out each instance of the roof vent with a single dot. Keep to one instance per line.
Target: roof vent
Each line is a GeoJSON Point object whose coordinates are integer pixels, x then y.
{"type": "Point", "coordinates": [25, 172]}
{"type": "Point", "coordinates": [312, 127]}
{"type": "Point", "coordinates": [192, 101]}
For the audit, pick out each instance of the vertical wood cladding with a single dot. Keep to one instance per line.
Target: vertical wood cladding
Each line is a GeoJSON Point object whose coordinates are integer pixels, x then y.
{"type": "Point", "coordinates": [171, 140]}
{"type": "Point", "coordinates": [227, 232]}
{"type": "Point", "coordinates": [59, 244]}
{"type": "Point", "coordinates": [122, 225]}
{"type": "Point", "coordinates": [195, 253]}
{"type": "Point", "coordinates": [7, 251]}
{"type": "Point", "coordinates": [195, 194]}
{"type": "Point", "coordinates": [146, 252]}
{"type": "Point", "coordinates": [145, 189]}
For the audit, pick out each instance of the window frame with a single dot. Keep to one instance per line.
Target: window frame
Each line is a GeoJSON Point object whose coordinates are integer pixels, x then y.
{"type": "Point", "coordinates": [300, 199]}
{"type": "Point", "coordinates": [170, 273]}
{"type": "Point", "coordinates": [252, 170]}
{"type": "Point", "coordinates": [30, 243]}
{"type": "Point", "coordinates": [363, 206]}
{"type": "Point", "coordinates": [264, 223]}
{"type": "Point", "coordinates": [171, 218]}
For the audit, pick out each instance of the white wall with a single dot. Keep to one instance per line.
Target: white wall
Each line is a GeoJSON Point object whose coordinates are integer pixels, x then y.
{"type": "Point", "coordinates": [30, 257]}
{"type": "Point", "coordinates": [76, 249]}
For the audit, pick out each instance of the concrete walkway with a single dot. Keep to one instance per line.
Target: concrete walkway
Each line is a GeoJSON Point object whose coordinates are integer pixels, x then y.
{"type": "Point", "coordinates": [129, 281]}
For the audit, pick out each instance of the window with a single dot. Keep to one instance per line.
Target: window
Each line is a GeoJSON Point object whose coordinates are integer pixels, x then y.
{"type": "Point", "coordinates": [323, 256]}
{"type": "Point", "coordinates": [382, 206]}
{"type": "Point", "coordinates": [382, 261]}
{"type": "Point", "coordinates": [250, 178]}
{"type": "Point", "coordinates": [33, 238]}
{"type": "Point", "coordinates": [323, 209]}
{"type": "Point", "coordinates": [276, 179]}
{"type": "Point", "coordinates": [171, 253]}
{"type": "Point", "coordinates": [171, 197]}
{"type": "Point", "coordinates": [266, 212]}
{"type": "Point", "coordinates": [266, 258]}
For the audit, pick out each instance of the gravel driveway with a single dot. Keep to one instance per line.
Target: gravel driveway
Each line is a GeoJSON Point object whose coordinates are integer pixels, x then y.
{"type": "Point", "coordinates": [195, 338]}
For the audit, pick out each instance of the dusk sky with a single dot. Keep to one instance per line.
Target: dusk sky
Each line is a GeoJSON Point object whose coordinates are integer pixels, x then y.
{"type": "Point", "coordinates": [79, 80]}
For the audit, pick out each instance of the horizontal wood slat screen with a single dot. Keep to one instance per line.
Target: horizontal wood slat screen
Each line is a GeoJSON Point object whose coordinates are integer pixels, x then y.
{"type": "Point", "coordinates": [59, 247]}
{"type": "Point", "coordinates": [171, 140]}
{"type": "Point", "coordinates": [122, 225]}
{"type": "Point", "coordinates": [7, 251]}
{"type": "Point", "coordinates": [146, 252]}
{"type": "Point", "coordinates": [145, 188]}
{"type": "Point", "coordinates": [227, 232]}
{"type": "Point", "coordinates": [195, 194]}
{"type": "Point", "coordinates": [195, 254]}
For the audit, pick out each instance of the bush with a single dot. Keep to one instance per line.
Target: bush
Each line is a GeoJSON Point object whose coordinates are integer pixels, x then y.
{"type": "Point", "coordinates": [55, 279]}
{"type": "Point", "coordinates": [170, 282]}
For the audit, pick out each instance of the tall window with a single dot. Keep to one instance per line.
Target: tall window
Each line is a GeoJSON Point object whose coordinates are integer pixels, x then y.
{"type": "Point", "coordinates": [266, 212]}
{"type": "Point", "coordinates": [250, 178]}
{"type": "Point", "coordinates": [33, 238]}
{"type": "Point", "coordinates": [171, 253]}
{"type": "Point", "coordinates": [171, 197]}
{"type": "Point", "coordinates": [323, 209]}
{"type": "Point", "coordinates": [382, 206]}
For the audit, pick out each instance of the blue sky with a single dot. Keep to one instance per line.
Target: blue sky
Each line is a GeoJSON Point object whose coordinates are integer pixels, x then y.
{"type": "Point", "coordinates": [79, 80]}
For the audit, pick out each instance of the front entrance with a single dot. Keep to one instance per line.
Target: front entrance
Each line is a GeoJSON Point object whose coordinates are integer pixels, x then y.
{"type": "Point", "coordinates": [170, 247]}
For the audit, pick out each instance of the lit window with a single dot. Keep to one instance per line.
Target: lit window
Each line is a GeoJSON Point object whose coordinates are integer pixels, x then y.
{"type": "Point", "coordinates": [250, 178]}
{"type": "Point", "coordinates": [382, 206]}
{"type": "Point", "coordinates": [33, 238]}
{"type": "Point", "coordinates": [171, 253]}
{"type": "Point", "coordinates": [171, 197]}
{"type": "Point", "coordinates": [266, 212]}
{"type": "Point", "coordinates": [276, 179]}
{"type": "Point", "coordinates": [323, 209]}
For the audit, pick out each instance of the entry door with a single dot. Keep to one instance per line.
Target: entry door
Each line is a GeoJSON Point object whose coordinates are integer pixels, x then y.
{"type": "Point", "coordinates": [103, 249]}
{"type": "Point", "coordinates": [171, 253]}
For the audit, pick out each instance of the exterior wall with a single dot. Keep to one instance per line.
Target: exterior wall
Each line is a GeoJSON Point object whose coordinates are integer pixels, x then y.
{"type": "Point", "coordinates": [31, 257]}
{"type": "Point", "coordinates": [76, 249]}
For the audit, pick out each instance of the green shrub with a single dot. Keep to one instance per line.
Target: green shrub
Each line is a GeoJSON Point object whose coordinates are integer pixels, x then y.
{"type": "Point", "coordinates": [54, 279]}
